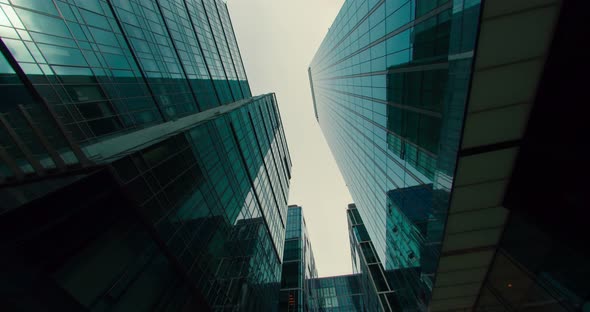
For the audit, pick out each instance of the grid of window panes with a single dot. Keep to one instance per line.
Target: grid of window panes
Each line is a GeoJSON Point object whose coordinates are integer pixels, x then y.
{"type": "Point", "coordinates": [293, 229]}
{"type": "Point", "coordinates": [292, 275]}
{"type": "Point", "coordinates": [298, 264]}
{"type": "Point", "coordinates": [310, 270]}
{"type": "Point", "coordinates": [412, 204]}
{"type": "Point", "coordinates": [14, 91]}
{"type": "Point", "coordinates": [389, 83]}
{"type": "Point", "coordinates": [381, 288]}
{"type": "Point", "coordinates": [337, 293]}
{"type": "Point", "coordinates": [108, 66]}
{"type": "Point", "coordinates": [214, 196]}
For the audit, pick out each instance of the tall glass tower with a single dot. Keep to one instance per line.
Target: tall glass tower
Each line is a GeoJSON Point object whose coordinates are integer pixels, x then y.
{"type": "Point", "coordinates": [298, 265]}
{"type": "Point", "coordinates": [302, 289]}
{"type": "Point", "coordinates": [433, 111]}
{"type": "Point", "coordinates": [137, 171]}
{"type": "Point", "coordinates": [389, 83]}
{"type": "Point", "coordinates": [75, 73]}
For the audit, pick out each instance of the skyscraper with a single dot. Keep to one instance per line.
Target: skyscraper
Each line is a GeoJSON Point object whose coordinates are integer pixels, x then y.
{"type": "Point", "coordinates": [425, 106]}
{"type": "Point", "coordinates": [194, 209]}
{"type": "Point", "coordinates": [80, 72]}
{"type": "Point", "coordinates": [301, 288]}
{"type": "Point", "coordinates": [138, 173]}
{"type": "Point", "coordinates": [298, 264]}
{"type": "Point", "coordinates": [380, 293]}
{"type": "Point", "coordinates": [389, 82]}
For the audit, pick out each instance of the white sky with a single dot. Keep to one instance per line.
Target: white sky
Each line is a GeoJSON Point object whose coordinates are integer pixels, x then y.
{"type": "Point", "coordinates": [277, 40]}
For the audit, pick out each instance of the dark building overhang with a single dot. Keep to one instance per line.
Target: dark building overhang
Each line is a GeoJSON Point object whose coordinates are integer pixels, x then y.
{"type": "Point", "coordinates": [513, 43]}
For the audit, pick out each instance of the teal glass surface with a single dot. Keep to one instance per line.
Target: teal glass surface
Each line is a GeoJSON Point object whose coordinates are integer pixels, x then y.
{"type": "Point", "coordinates": [214, 195]}
{"type": "Point", "coordinates": [151, 97]}
{"type": "Point", "coordinates": [298, 265]}
{"type": "Point", "coordinates": [108, 67]}
{"type": "Point", "coordinates": [389, 85]}
{"type": "Point", "coordinates": [341, 293]}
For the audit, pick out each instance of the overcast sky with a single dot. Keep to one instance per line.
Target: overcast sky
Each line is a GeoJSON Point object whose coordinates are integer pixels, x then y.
{"type": "Point", "coordinates": [277, 40]}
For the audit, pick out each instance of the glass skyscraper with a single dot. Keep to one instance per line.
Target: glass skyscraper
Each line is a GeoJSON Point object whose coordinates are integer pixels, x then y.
{"type": "Point", "coordinates": [138, 173]}
{"type": "Point", "coordinates": [302, 289]}
{"type": "Point", "coordinates": [389, 84]}
{"type": "Point", "coordinates": [433, 111]}
{"type": "Point", "coordinates": [298, 265]}
{"type": "Point", "coordinates": [80, 72]}
{"type": "Point", "coordinates": [380, 292]}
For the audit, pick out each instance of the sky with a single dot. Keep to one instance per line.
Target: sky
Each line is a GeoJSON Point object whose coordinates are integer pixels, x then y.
{"type": "Point", "coordinates": [277, 40]}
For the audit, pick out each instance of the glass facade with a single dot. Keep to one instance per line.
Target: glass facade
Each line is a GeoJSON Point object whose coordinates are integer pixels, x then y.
{"type": "Point", "coordinates": [227, 169]}
{"type": "Point", "coordinates": [204, 207]}
{"type": "Point", "coordinates": [298, 265]}
{"type": "Point", "coordinates": [341, 293]}
{"type": "Point", "coordinates": [384, 290]}
{"type": "Point", "coordinates": [389, 84]}
{"type": "Point", "coordinates": [76, 72]}
{"type": "Point", "coordinates": [143, 107]}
